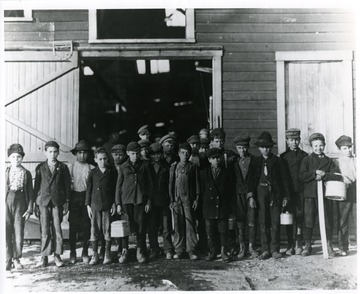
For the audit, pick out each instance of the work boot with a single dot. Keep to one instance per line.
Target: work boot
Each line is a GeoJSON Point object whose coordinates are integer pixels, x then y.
{"type": "Point", "coordinates": [179, 255]}
{"type": "Point", "coordinates": [95, 258]}
{"type": "Point", "coordinates": [264, 255]}
{"type": "Point", "coordinates": [307, 249]}
{"type": "Point", "coordinates": [193, 256]}
{"type": "Point", "coordinates": [154, 253]}
{"type": "Point", "coordinates": [9, 264]}
{"type": "Point", "coordinates": [276, 255]}
{"type": "Point", "coordinates": [343, 252]}
{"type": "Point", "coordinates": [107, 258]}
{"type": "Point", "coordinates": [252, 251]}
{"type": "Point", "coordinates": [242, 250]}
{"type": "Point", "coordinates": [140, 256]}
{"type": "Point", "coordinates": [58, 261]}
{"type": "Point", "coordinates": [124, 256]}
{"type": "Point", "coordinates": [224, 255]}
{"type": "Point", "coordinates": [43, 262]}
{"type": "Point", "coordinates": [120, 249]}
{"type": "Point", "coordinates": [290, 249]}
{"type": "Point", "coordinates": [211, 244]}
{"type": "Point", "coordinates": [102, 250]}
{"type": "Point", "coordinates": [85, 255]}
{"type": "Point", "coordinates": [72, 259]}
{"type": "Point", "coordinates": [298, 247]}
{"type": "Point", "coordinates": [17, 264]}
{"type": "Point", "coordinates": [168, 255]}
{"type": "Point", "coordinates": [330, 249]}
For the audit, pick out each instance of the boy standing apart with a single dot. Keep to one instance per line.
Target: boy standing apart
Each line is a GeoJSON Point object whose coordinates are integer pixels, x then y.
{"type": "Point", "coordinates": [132, 197]}
{"type": "Point", "coordinates": [52, 193]}
{"type": "Point", "coordinates": [18, 205]}
{"type": "Point", "coordinates": [272, 193]}
{"type": "Point", "coordinates": [292, 158]}
{"type": "Point", "coordinates": [347, 165]}
{"type": "Point", "coordinates": [79, 220]}
{"type": "Point", "coordinates": [184, 191]}
{"type": "Point", "coordinates": [100, 196]}
{"type": "Point", "coordinates": [245, 207]}
{"type": "Point", "coordinates": [316, 167]}
{"type": "Point", "coordinates": [160, 213]}
{"type": "Point", "coordinates": [216, 192]}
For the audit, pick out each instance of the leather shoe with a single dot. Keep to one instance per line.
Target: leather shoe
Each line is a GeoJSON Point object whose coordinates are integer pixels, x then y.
{"type": "Point", "coordinates": [43, 262]}
{"type": "Point", "coordinates": [193, 256]}
{"type": "Point", "coordinates": [168, 255]}
{"type": "Point", "coordinates": [343, 253]}
{"type": "Point", "coordinates": [264, 255]}
{"type": "Point", "coordinates": [210, 257]}
{"type": "Point", "coordinates": [124, 256]}
{"type": "Point", "coordinates": [58, 261]}
{"type": "Point", "coordinates": [178, 255]}
{"type": "Point", "coordinates": [225, 257]}
{"type": "Point", "coordinates": [72, 259]}
{"type": "Point", "coordinates": [17, 264]}
{"type": "Point", "coordinates": [276, 255]}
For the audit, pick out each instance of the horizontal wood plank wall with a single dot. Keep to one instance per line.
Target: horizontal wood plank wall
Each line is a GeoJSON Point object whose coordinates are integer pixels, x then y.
{"type": "Point", "coordinates": [250, 38]}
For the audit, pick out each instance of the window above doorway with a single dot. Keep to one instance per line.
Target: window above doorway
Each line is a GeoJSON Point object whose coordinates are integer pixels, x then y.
{"type": "Point", "coordinates": [18, 15]}
{"type": "Point", "coordinates": [141, 26]}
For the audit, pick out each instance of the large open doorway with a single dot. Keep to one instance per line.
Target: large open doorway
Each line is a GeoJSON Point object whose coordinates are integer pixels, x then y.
{"type": "Point", "coordinates": [120, 95]}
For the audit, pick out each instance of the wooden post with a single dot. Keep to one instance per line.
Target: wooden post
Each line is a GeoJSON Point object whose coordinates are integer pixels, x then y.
{"type": "Point", "coordinates": [320, 195]}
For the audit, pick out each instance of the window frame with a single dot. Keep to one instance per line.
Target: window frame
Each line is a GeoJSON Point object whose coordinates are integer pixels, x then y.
{"type": "Point", "coordinates": [27, 16]}
{"type": "Point", "coordinates": [189, 32]}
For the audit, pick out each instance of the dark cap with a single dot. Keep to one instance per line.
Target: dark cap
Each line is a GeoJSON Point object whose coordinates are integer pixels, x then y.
{"type": "Point", "coordinates": [155, 148]}
{"type": "Point", "coordinates": [265, 140]}
{"type": "Point", "coordinates": [185, 146]}
{"type": "Point", "coordinates": [143, 130]}
{"type": "Point", "coordinates": [100, 150]}
{"type": "Point", "coordinates": [16, 148]}
{"type": "Point", "coordinates": [218, 132]}
{"type": "Point", "coordinates": [204, 143]}
{"type": "Point", "coordinates": [242, 140]}
{"type": "Point", "coordinates": [214, 152]}
{"type": "Point", "coordinates": [119, 148]}
{"type": "Point", "coordinates": [133, 146]}
{"type": "Point", "coordinates": [166, 138]}
{"type": "Point", "coordinates": [144, 143]}
{"type": "Point", "coordinates": [51, 144]}
{"type": "Point", "coordinates": [81, 146]}
{"type": "Point", "coordinates": [292, 133]}
{"type": "Point", "coordinates": [343, 141]}
{"type": "Point", "coordinates": [317, 136]}
{"type": "Point", "coordinates": [193, 139]}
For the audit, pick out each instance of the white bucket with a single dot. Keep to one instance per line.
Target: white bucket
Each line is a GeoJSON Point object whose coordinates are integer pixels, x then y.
{"type": "Point", "coordinates": [120, 228]}
{"type": "Point", "coordinates": [286, 218]}
{"type": "Point", "coordinates": [335, 190]}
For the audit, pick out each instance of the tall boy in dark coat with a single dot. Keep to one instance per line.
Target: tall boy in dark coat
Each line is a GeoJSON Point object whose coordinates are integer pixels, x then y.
{"type": "Point", "coordinates": [100, 202]}
{"type": "Point", "coordinates": [216, 192]}
{"type": "Point", "coordinates": [52, 194]}
{"type": "Point", "coordinates": [272, 192]}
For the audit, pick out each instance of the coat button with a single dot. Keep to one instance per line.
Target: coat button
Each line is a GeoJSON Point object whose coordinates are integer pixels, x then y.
{"type": "Point", "coordinates": [217, 205]}
{"type": "Point", "coordinates": [210, 188]}
{"type": "Point", "coordinates": [98, 189]}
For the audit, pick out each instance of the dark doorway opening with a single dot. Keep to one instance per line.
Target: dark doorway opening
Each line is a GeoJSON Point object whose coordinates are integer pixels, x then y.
{"type": "Point", "coordinates": [122, 95]}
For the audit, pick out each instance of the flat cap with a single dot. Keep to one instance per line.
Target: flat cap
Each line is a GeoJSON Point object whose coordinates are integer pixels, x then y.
{"type": "Point", "coordinates": [155, 148]}
{"type": "Point", "coordinates": [51, 144]}
{"type": "Point", "coordinates": [166, 138]}
{"type": "Point", "coordinates": [218, 132]}
{"type": "Point", "coordinates": [16, 148]}
{"type": "Point", "coordinates": [204, 143]}
{"type": "Point", "coordinates": [185, 146]}
{"type": "Point", "coordinates": [343, 141]}
{"type": "Point", "coordinates": [265, 140]}
{"type": "Point", "coordinates": [143, 130]}
{"type": "Point", "coordinates": [214, 152]}
{"type": "Point", "coordinates": [133, 146]}
{"type": "Point", "coordinates": [193, 139]}
{"type": "Point", "coordinates": [242, 140]}
{"type": "Point", "coordinates": [292, 133]}
{"type": "Point", "coordinates": [119, 148]}
{"type": "Point", "coordinates": [81, 146]}
{"type": "Point", "coordinates": [316, 136]}
{"type": "Point", "coordinates": [144, 143]}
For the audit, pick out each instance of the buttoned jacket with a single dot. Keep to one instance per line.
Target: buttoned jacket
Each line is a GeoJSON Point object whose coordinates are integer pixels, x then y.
{"type": "Point", "coordinates": [159, 185]}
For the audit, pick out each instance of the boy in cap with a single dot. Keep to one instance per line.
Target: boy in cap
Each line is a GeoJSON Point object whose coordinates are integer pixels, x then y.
{"type": "Point", "coordinates": [79, 221]}
{"type": "Point", "coordinates": [144, 133]}
{"type": "Point", "coordinates": [194, 142]}
{"type": "Point", "coordinates": [19, 202]}
{"type": "Point", "coordinates": [114, 138]}
{"type": "Point", "coordinates": [217, 140]}
{"type": "Point", "coordinates": [168, 144]}
{"type": "Point", "coordinates": [347, 166]}
{"type": "Point", "coordinates": [144, 151]}
{"type": "Point", "coordinates": [204, 134]}
{"type": "Point", "coordinates": [272, 193]}
{"type": "Point", "coordinates": [52, 193]}
{"type": "Point", "coordinates": [100, 196]}
{"type": "Point", "coordinates": [160, 214]}
{"type": "Point", "coordinates": [317, 167]}
{"type": "Point", "coordinates": [292, 158]}
{"type": "Point", "coordinates": [184, 191]}
{"type": "Point", "coordinates": [245, 207]}
{"type": "Point", "coordinates": [132, 197]}
{"type": "Point", "coordinates": [216, 189]}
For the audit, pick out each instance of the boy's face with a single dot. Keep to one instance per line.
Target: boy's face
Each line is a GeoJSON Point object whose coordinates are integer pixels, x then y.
{"type": "Point", "coordinates": [145, 136]}
{"type": "Point", "coordinates": [144, 152]}
{"type": "Point", "coordinates": [195, 147]}
{"type": "Point", "coordinates": [133, 155]}
{"type": "Point", "coordinates": [168, 147]}
{"type": "Point", "coordinates": [293, 143]}
{"type": "Point", "coordinates": [346, 151]}
{"type": "Point", "coordinates": [318, 146]}
{"type": "Point", "coordinates": [82, 156]}
{"type": "Point", "coordinates": [15, 159]}
{"type": "Point", "coordinates": [203, 135]}
{"type": "Point", "coordinates": [265, 151]}
{"type": "Point", "coordinates": [214, 161]}
{"type": "Point", "coordinates": [156, 157]}
{"type": "Point", "coordinates": [117, 156]}
{"type": "Point", "coordinates": [101, 159]}
{"type": "Point", "coordinates": [51, 153]}
{"type": "Point", "coordinates": [217, 143]}
{"type": "Point", "coordinates": [184, 155]}
{"type": "Point", "coordinates": [242, 150]}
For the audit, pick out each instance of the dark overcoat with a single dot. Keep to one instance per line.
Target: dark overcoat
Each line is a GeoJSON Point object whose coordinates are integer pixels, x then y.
{"type": "Point", "coordinates": [159, 185]}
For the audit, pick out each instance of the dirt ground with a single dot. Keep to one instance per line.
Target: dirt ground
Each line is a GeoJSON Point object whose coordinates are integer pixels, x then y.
{"type": "Point", "coordinates": [288, 273]}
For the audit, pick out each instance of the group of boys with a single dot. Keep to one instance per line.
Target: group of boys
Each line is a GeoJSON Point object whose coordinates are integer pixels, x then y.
{"type": "Point", "coordinates": [193, 193]}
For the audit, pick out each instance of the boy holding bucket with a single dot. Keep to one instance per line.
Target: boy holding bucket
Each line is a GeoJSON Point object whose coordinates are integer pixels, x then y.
{"type": "Point", "coordinates": [347, 165]}
{"type": "Point", "coordinates": [317, 167]}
